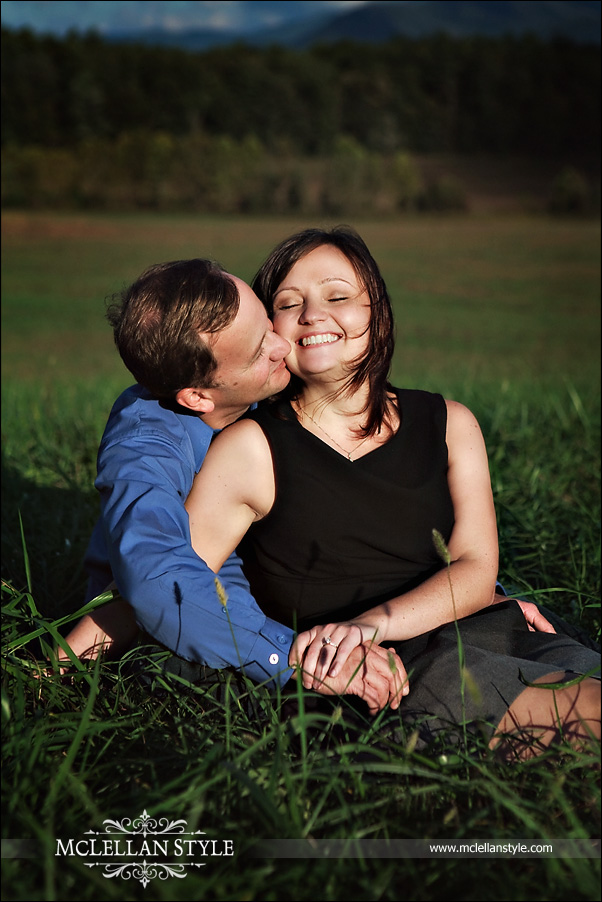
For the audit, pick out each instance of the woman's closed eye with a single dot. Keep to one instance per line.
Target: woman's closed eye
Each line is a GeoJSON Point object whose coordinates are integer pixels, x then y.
{"type": "Point", "coordinates": [288, 305]}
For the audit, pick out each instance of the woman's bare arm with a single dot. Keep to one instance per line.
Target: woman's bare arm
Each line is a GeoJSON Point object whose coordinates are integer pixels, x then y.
{"type": "Point", "coordinates": [234, 487]}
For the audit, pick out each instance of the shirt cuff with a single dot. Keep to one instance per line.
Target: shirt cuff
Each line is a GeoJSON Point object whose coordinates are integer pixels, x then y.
{"type": "Point", "coordinates": [268, 660]}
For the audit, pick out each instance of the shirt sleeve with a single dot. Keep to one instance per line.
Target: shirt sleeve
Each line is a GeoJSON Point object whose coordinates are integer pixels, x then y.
{"type": "Point", "coordinates": [143, 485]}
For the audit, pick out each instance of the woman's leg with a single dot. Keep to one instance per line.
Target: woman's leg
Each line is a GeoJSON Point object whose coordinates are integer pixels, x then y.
{"type": "Point", "coordinates": [540, 717]}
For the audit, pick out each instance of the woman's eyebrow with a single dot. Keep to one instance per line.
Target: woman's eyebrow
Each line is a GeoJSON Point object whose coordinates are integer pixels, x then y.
{"type": "Point", "coordinates": [321, 282]}
{"type": "Point", "coordinates": [335, 279]}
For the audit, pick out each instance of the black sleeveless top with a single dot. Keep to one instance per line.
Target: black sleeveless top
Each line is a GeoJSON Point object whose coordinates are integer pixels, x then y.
{"type": "Point", "coordinates": [345, 535]}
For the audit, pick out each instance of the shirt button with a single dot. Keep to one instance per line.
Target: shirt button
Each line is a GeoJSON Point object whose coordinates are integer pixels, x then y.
{"type": "Point", "coordinates": [281, 639]}
{"type": "Point", "coordinates": [274, 659]}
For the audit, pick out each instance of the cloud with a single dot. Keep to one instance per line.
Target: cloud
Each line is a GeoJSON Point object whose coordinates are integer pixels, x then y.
{"type": "Point", "coordinates": [175, 15]}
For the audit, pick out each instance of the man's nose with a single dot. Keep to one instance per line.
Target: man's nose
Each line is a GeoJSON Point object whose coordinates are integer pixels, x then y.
{"type": "Point", "coordinates": [280, 348]}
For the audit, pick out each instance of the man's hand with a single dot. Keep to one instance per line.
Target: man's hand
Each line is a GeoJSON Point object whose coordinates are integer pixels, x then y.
{"type": "Point", "coordinates": [110, 630]}
{"type": "Point", "coordinates": [373, 673]}
{"type": "Point", "coordinates": [535, 619]}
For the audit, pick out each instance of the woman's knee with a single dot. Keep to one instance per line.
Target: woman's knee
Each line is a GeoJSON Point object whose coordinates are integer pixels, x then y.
{"type": "Point", "coordinates": [542, 716]}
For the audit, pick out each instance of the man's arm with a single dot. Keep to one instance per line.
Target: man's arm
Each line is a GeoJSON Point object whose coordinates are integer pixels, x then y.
{"type": "Point", "coordinates": [143, 482]}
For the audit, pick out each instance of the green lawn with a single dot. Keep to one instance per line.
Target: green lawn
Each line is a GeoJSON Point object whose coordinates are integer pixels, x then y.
{"type": "Point", "coordinates": [502, 314]}
{"type": "Point", "coordinates": [488, 299]}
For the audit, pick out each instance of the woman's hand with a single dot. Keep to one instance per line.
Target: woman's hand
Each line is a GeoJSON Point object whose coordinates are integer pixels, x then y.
{"type": "Point", "coordinates": [323, 650]}
{"type": "Point", "coordinates": [321, 654]}
{"type": "Point", "coordinates": [536, 621]}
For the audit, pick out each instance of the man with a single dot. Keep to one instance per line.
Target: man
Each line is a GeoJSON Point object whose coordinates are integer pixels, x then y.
{"type": "Point", "coordinates": [202, 349]}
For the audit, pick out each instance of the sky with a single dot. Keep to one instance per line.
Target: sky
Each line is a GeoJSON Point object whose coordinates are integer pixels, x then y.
{"type": "Point", "coordinates": [47, 16]}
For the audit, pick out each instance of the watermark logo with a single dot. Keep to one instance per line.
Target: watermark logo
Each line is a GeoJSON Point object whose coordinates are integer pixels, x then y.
{"type": "Point", "coordinates": [145, 848]}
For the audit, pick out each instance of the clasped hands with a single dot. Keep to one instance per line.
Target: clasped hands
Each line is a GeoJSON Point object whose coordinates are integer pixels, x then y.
{"type": "Point", "coordinates": [343, 658]}
{"type": "Point", "coordinates": [338, 659]}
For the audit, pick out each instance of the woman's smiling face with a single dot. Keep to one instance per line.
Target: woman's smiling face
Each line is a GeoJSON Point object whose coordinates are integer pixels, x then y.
{"type": "Point", "coordinates": [322, 309]}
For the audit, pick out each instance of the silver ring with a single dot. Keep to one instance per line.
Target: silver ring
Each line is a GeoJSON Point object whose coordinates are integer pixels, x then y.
{"type": "Point", "coordinates": [328, 641]}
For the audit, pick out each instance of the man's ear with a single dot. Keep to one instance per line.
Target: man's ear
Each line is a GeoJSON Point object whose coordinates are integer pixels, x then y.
{"type": "Point", "coordinates": [196, 399]}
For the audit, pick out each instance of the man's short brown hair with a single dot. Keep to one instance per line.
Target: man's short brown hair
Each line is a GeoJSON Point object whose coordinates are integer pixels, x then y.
{"type": "Point", "coordinates": [157, 323]}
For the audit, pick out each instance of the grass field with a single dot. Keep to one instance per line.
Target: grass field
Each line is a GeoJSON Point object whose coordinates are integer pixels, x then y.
{"type": "Point", "coordinates": [489, 299]}
{"type": "Point", "coordinates": [502, 314]}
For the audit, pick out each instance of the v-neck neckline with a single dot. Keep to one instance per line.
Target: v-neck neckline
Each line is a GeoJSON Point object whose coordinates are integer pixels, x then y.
{"type": "Point", "coordinates": [340, 454]}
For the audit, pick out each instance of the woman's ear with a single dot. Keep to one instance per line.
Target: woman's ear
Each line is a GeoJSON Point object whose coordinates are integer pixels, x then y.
{"type": "Point", "coordinates": [195, 399]}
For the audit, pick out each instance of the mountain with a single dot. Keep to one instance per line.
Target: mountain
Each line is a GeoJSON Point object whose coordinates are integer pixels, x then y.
{"type": "Point", "coordinates": [578, 21]}
{"type": "Point", "coordinates": [574, 20]}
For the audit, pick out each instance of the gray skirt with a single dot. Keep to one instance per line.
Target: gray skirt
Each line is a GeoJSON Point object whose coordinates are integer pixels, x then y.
{"type": "Point", "coordinates": [501, 656]}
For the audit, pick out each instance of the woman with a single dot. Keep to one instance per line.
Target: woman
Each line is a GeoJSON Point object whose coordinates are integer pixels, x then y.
{"type": "Point", "coordinates": [334, 493]}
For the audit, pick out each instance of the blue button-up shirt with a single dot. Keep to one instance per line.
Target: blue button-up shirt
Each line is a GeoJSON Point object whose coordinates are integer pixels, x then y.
{"type": "Point", "coordinates": [147, 460]}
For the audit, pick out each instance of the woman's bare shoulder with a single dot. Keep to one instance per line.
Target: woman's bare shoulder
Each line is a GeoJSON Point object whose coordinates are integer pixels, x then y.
{"type": "Point", "coordinates": [242, 444]}
{"type": "Point", "coordinates": [456, 409]}
{"type": "Point", "coordinates": [460, 416]}
{"type": "Point", "coordinates": [244, 426]}
{"type": "Point", "coordinates": [463, 433]}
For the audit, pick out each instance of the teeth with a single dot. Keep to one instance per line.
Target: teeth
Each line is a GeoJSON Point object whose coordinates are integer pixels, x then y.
{"type": "Point", "coordinates": [318, 340]}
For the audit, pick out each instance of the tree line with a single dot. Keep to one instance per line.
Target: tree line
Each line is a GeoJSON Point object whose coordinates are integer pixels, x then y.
{"type": "Point", "coordinates": [252, 128]}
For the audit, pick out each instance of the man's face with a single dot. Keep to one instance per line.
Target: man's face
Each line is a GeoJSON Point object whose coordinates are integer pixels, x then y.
{"type": "Point", "coordinates": [250, 358]}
